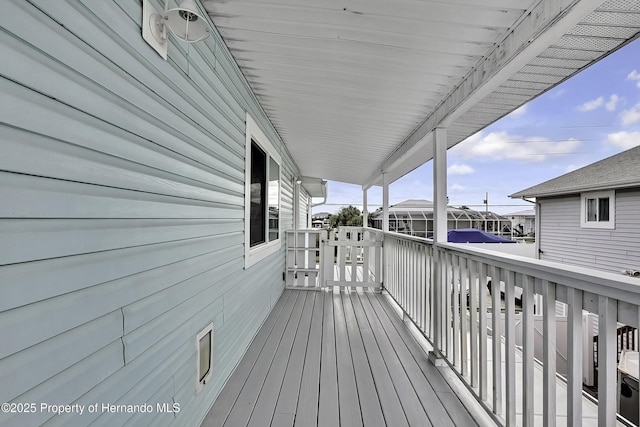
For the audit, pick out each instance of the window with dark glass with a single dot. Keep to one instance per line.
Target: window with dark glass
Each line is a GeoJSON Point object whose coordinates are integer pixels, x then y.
{"type": "Point", "coordinates": [603, 209]}
{"type": "Point", "coordinates": [597, 209]}
{"type": "Point", "coordinates": [274, 200]}
{"type": "Point", "coordinates": [258, 195]}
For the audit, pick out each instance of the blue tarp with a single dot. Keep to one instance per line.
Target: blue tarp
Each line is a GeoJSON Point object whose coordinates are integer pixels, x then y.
{"type": "Point", "coordinates": [473, 235]}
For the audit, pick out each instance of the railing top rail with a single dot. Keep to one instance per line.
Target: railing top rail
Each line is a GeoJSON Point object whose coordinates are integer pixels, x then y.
{"type": "Point", "coordinates": [587, 279]}
{"type": "Point", "coordinates": [402, 236]}
{"type": "Point", "coordinates": [597, 282]}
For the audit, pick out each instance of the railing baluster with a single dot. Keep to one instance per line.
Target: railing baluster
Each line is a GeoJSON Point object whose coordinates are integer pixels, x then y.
{"type": "Point", "coordinates": [342, 255]}
{"type": "Point", "coordinates": [429, 303]}
{"type": "Point", "coordinates": [574, 357]}
{"type": "Point", "coordinates": [366, 253]}
{"type": "Point", "coordinates": [412, 278]}
{"type": "Point", "coordinates": [447, 304]}
{"type": "Point", "coordinates": [455, 265]}
{"type": "Point", "coordinates": [496, 339]}
{"type": "Point", "coordinates": [483, 332]}
{"type": "Point", "coordinates": [510, 347]}
{"type": "Point", "coordinates": [437, 312]}
{"type": "Point", "coordinates": [549, 353]}
{"type": "Point", "coordinates": [464, 318]}
{"type": "Point", "coordinates": [354, 257]}
{"type": "Point", "coordinates": [607, 353]}
{"type": "Point", "coordinates": [422, 289]}
{"type": "Point", "coordinates": [528, 350]}
{"type": "Point", "coordinates": [473, 292]}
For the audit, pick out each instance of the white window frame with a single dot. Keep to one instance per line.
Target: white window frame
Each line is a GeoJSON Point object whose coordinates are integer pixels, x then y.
{"type": "Point", "coordinates": [252, 255]}
{"type": "Point", "coordinates": [610, 224]}
{"type": "Point", "coordinates": [201, 383]}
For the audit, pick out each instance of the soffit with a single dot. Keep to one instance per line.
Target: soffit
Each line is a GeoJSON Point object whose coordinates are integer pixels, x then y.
{"type": "Point", "coordinates": [348, 83]}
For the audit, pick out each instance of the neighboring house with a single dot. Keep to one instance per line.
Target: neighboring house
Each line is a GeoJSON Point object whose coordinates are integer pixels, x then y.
{"type": "Point", "coordinates": [523, 223]}
{"type": "Point", "coordinates": [415, 217]}
{"type": "Point", "coordinates": [320, 220]}
{"type": "Point", "coordinates": [590, 217]}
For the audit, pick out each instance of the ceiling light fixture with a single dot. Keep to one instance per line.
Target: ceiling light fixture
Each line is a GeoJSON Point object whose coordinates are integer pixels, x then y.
{"type": "Point", "coordinates": [184, 21]}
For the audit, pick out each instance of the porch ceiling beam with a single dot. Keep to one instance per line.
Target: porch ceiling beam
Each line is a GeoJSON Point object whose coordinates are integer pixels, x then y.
{"type": "Point", "coordinates": [544, 24]}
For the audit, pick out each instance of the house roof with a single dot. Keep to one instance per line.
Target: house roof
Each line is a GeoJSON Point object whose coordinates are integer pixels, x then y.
{"type": "Point", "coordinates": [321, 215]}
{"type": "Point", "coordinates": [619, 171]}
{"type": "Point", "coordinates": [526, 212]}
{"type": "Point", "coordinates": [418, 208]}
{"type": "Point", "coordinates": [413, 203]}
{"type": "Point", "coordinates": [358, 87]}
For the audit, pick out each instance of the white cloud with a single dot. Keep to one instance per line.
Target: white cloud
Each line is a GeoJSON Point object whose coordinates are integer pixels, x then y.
{"type": "Point", "coordinates": [631, 115]}
{"type": "Point", "coordinates": [457, 187]}
{"type": "Point", "coordinates": [502, 145]}
{"type": "Point", "coordinates": [518, 112]}
{"type": "Point", "coordinates": [613, 102]}
{"type": "Point", "coordinates": [634, 75]}
{"type": "Point", "coordinates": [557, 93]}
{"type": "Point", "coordinates": [591, 105]}
{"type": "Point", "coordinates": [624, 140]}
{"type": "Point", "coordinates": [461, 169]}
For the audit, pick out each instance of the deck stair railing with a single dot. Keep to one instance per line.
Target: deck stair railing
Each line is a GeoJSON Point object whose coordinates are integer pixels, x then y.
{"type": "Point", "coordinates": [353, 257]}
{"type": "Point", "coordinates": [349, 256]}
{"type": "Point", "coordinates": [303, 258]}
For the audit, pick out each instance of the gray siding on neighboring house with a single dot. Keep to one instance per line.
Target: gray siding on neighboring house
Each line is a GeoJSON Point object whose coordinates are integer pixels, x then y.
{"type": "Point", "coordinates": [563, 240]}
{"type": "Point", "coordinates": [122, 214]}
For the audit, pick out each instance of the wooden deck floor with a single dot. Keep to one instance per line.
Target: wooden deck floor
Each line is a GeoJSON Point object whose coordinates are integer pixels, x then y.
{"type": "Point", "coordinates": [336, 359]}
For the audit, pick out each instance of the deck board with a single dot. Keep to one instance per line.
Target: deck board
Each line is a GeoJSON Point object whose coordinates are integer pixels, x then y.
{"type": "Point", "coordinates": [395, 359]}
{"type": "Point", "coordinates": [368, 394]}
{"type": "Point", "coordinates": [328, 413]}
{"type": "Point", "coordinates": [307, 410]}
{"type": "Point", "coordinates": [288, 397]}
{"type": "Point", "coordinates": [226, 401]}
{"type": "Point", "coordinates": [389, 400]}
{"type": "Point", "coordinates": [442, 410]}
{"type": "Point", "coordinates": [246, 401]}
{"type": "Point", "coordinates": [265, 405]}
{"type": "Point", "coordinates": [349, 402]}
{"type": "Point", "coordinates": [336, 359]}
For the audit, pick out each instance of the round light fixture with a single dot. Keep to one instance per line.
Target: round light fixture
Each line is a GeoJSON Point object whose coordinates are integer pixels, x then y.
{"type": "Point", "coordinates": [186, 23]}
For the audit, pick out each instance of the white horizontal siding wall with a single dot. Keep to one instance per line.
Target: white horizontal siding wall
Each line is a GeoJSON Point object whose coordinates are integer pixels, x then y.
{"type": "Point", "coordinates": [303, 219]}
{"type": "Point", "coordinates": [563, 240]}
{"type": "Point", "coordinates": [122, 214]}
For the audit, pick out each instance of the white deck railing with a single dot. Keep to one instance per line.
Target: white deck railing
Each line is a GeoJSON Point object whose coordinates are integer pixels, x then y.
{"type": "Point", "coordinates": [443, 289]}
{"type": "Point", "coordinates": [350, 256]}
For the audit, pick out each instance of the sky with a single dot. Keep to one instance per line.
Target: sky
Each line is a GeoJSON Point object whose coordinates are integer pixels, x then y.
{"type": "Point", "coordinates": [589, 117]}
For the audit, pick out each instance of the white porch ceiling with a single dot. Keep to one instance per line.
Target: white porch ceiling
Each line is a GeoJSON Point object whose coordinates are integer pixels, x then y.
{"type": "Point", "coordinates": [355, 87]}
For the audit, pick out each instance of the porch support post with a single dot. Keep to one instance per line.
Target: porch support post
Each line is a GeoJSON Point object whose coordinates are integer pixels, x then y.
{"type": "Point", "coordinates": [439, 236]}
{"type": "Point", "coordinates": [365, 210]}
{"type": "Point", "coordinates": [296, 204]}
{"type": "Point", "coordinates": [385, 202]}
{"type": "Point", "coordinates": [440, 185]}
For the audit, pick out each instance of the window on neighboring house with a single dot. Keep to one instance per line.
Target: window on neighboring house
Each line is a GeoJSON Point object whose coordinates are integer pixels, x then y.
{"type": "Point", "coordinates": [598, 210]}
{"type": "Point", "coordinates": [204, 345]}
{"type": "Point", "coordinates": [262, 198]}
